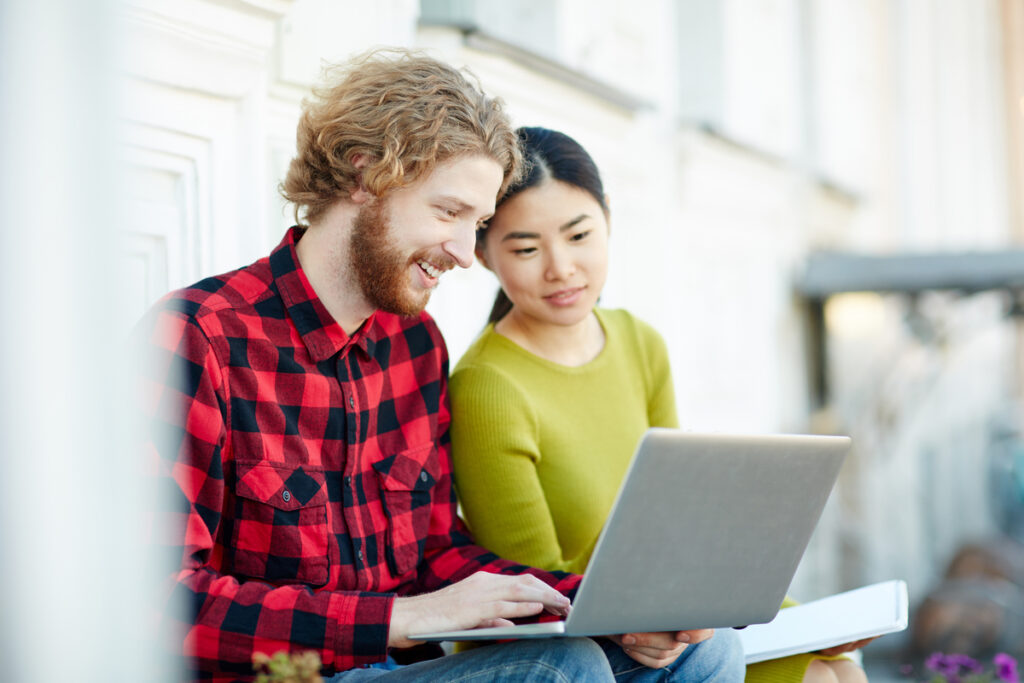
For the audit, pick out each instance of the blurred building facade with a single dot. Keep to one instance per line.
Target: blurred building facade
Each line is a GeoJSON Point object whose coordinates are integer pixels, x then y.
{"type": "Point", "coordinates": [737, 137]}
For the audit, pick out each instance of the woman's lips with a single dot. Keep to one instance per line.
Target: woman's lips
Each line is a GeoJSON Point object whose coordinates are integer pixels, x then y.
{"type": "Point", "coordinates": [565, 297]}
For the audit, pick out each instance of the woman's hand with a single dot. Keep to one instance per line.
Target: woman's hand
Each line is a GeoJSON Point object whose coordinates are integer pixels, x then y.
{"type": "Point", "coordinates": [844, 648]}
{"type": "Point", "coordinates": [658, 650]}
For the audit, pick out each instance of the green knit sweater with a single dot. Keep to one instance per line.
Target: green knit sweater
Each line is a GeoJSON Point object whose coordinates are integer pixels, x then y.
{"type": "Point", "coordinates": [540, 449]}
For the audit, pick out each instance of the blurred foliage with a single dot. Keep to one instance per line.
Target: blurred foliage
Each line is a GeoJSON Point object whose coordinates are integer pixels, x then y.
{"type": "Point", "coordinates": [281, 667]}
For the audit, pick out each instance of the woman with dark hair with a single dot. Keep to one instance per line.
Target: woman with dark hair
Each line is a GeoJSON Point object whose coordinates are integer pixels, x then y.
{"type": "Point", "coordinates": [549, 402]}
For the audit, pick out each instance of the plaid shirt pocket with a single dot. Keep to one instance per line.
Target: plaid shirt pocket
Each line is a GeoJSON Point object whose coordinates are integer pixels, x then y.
{"type": "Point", "coordinates": [406, 480]}
{"type": "Point", "coordinates": [280, 527]}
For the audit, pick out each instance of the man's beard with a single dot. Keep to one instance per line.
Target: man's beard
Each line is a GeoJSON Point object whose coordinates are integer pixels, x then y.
{"type": "Point", "coordinates": [382, 272]}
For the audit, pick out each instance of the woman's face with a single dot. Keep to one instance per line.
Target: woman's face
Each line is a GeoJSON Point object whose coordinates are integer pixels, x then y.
{"type": "Point", "coordinates": [548, 246]}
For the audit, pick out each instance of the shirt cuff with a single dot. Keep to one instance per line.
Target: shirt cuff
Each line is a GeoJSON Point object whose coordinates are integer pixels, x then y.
{"type": "Point", "coordinates": [362, 621]}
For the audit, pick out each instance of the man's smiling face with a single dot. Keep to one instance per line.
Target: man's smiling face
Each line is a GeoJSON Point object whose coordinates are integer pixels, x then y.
{"type": "Point", "coordinates": [401, 245]}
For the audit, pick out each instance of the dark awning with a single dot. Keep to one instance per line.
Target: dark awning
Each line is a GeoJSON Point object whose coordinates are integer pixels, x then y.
{"type": "Point", "coordinates": [827, 273]}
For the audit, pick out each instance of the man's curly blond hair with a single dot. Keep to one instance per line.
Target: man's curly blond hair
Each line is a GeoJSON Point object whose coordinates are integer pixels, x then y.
{"type": "Point", "coordinates": [404, 112]}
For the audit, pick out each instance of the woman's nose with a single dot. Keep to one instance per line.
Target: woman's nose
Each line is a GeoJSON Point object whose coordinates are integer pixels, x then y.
{"type": "Point", "coordinates": [560, 264]}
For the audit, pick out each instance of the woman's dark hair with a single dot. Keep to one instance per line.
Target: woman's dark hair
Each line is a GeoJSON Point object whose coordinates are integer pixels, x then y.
{"type": "Point", "coordinates": [548, 155]}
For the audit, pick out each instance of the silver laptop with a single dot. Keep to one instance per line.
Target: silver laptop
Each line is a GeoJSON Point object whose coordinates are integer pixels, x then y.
{"type": "Point", "coordinates": [706, 532]}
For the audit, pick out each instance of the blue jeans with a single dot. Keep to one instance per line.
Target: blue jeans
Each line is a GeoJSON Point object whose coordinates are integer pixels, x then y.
{"type": "Point", "coordinates": [564, 660]}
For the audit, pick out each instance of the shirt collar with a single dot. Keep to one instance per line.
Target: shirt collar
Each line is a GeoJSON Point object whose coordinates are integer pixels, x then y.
{"type": "Point", "coordinates": [321, 334]}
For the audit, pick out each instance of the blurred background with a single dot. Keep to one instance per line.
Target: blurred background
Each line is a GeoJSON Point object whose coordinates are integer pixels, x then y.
{"type": "Point", "coordinates": [818, 203]}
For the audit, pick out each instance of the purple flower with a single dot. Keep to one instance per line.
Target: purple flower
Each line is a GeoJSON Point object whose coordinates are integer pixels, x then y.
{"type": "Point", "coordinates": [1006, 668]}
{"type": "Point", "coordinates": [968, 663]}
{"type": "Point", "coordinates": [946, 665]}
{"type": "Point", "coordinates": [957, 668]}
{"type": "Point", "coordinates": [936, 662]}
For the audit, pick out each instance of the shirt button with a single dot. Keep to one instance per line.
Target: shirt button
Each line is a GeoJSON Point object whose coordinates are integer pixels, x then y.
{"type": "Point", "coordinates": [359, 554]}
{"type": "Point", "coordinates": [348, 481]}
{"type": "Point", "coordinates": [423, 476]}
{"type": "Point", "coordinates": [286, 495]}
{"type": "Point", "coordinates": [351, 402]}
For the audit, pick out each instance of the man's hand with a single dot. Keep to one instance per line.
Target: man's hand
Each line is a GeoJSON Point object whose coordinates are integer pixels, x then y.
{"type": "Point", "coordinates": [482, 600]}
{"type": "Point", "coordinates": [658, 650]}
{"type": "Point", "coordinates": [844, 648]}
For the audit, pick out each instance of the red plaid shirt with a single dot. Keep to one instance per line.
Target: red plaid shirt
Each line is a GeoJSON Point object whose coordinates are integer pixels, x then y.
{"type": "Point", "coordinates": [312, 469]}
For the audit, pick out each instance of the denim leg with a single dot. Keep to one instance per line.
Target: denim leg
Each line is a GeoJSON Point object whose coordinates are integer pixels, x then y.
{"type": "Point", "coordinates": [547, 660]}
{"type": "Point", "coordinates": [717, 660]}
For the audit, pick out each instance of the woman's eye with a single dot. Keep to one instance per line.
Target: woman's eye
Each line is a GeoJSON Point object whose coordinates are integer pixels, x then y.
{"type": "Point", "coordinates": [580, 236]}
{"type": "Point", "coordinates": [525, 251]}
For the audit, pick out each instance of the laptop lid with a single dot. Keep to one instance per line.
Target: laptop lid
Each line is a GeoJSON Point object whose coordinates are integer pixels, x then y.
{"type": "Point", "coordinates": [707, 531]}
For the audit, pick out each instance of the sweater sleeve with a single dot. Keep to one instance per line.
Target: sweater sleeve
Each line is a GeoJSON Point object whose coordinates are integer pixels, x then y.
{"type": "Point", "coordinates": [495, 451]}
{"type": "Point", "coordinates": [661, 397]}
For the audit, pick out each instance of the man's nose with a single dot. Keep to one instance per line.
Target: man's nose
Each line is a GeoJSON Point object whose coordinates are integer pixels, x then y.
{"type": "Point", "coordinates": [461, 246]}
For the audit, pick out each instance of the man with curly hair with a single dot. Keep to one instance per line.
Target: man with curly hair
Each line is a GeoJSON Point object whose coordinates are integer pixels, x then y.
{"type": "Point", "coordinates": [300, 414]}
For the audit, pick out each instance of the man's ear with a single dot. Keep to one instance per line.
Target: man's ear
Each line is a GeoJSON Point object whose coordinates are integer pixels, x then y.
{"type": "Point", "coordinates": [360, 195]}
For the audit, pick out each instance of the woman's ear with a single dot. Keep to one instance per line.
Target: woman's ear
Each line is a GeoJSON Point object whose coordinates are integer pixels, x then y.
{"type": "Point", "coordinates": [482, 257]}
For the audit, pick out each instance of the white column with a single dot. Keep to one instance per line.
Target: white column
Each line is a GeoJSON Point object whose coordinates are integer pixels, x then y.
{"type": "Point", "coordinates": [71, 563]}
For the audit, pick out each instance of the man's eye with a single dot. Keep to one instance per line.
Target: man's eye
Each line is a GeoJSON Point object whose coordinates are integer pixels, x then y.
{"type": "Point", "coordinates": [525, 251]}
{"type": "Point", "coordinates": [580, 236]}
